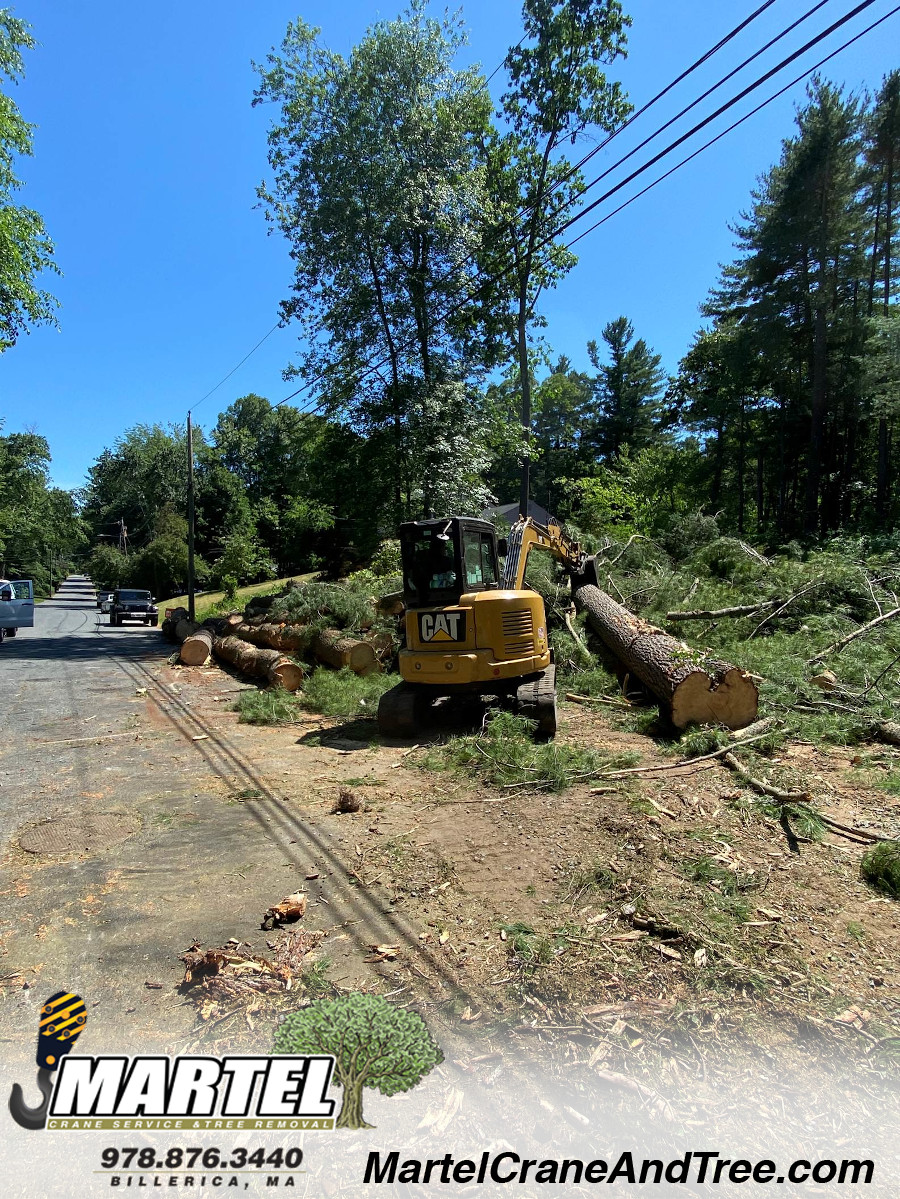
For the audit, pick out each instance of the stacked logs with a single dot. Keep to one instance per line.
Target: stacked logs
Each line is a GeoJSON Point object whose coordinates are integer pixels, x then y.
{"type": "Point", "coordinates": [256, 646]}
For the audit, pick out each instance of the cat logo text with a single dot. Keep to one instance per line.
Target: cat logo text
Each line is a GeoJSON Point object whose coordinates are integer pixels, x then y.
{"type": "Point", "coordinates": [442, 626]}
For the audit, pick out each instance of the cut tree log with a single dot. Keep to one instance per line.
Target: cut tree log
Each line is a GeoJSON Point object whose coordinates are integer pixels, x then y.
{"type": "Point", "coordinates": [889, 731]}
{"type": "Point", "coordinates": [171, 621]}
{"type": "Point", "coordinates": [690, 686]}
{"type": "Point", "coordinates": [197, 648]}
{"type": "Point", "coordinates": [270, 664]}
{"type": "Point", "coordinates": [275, 636]}
{"type": "Point", "coordinates": [184, 628]}
{"type": "Point", "coordinates": [337, 649]}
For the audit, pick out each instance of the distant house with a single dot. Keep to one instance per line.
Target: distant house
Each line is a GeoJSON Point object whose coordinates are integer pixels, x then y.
{"type": "Point", "coordinates": [510, 513]}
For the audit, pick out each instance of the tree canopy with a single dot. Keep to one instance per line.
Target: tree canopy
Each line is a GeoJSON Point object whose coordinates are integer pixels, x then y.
{"type": "Point", "coordinates": [25, 248]}
{"type": "Point", "coordinates": [374, 1044]}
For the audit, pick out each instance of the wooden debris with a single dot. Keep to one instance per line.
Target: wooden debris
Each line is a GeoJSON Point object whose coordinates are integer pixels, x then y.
{"type": "Point", "coordinates": [721, 613]}
{"type": "Point", "coordinates": [291, 908]}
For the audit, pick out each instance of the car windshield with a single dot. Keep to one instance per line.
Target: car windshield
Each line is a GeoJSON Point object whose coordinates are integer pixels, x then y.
{"type": "Point", "coordinates": [134, 595]}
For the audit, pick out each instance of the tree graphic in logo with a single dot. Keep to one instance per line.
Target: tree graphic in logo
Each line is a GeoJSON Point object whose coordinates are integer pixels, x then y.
{"type": "Point", "coordinates": [374, 1045]}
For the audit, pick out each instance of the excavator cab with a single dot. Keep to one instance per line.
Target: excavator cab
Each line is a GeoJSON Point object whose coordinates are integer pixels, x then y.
{"type": "Point", "coordinates": [443, 559]}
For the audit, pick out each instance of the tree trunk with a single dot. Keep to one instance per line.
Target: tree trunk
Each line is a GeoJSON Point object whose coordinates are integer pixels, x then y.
{"type": "Point", "coordinates": [275, 636]}
{"type": "Point", "coordinates": [690, 687]}
{"type": "Point", "coordinates": [196, 649]}
{"type": "Point", "coordinates": [351, 1114]}
{"type": "Point", "coordinates": [337, 649]}
{"type": "Point", "coordinates": [817, 422]}
{"type": "Point", "coordinates": [264, 663]}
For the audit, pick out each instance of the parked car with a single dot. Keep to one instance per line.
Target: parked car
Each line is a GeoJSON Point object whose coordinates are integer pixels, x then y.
{"type": "Point", "coordinates": [16, 606]}
{"type": "Point", "coordinates": [129, 604]}
{"type": "Point", "coordinates": [104, 599]}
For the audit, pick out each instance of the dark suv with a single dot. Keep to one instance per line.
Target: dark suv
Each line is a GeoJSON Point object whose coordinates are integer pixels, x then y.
{"type": "Point", "coordinates": [132, 605]}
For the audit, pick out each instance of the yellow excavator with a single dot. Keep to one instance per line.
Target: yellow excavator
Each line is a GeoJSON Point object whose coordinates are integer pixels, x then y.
{"type": "Point", "coordinates": [471, 627]}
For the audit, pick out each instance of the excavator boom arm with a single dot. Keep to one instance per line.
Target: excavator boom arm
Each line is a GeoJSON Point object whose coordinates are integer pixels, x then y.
{"type": "Point", "coordinates": [528, 534]}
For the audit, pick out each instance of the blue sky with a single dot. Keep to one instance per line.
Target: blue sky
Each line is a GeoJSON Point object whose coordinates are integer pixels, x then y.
{"type": "Point", "coordinates": [147, 155]}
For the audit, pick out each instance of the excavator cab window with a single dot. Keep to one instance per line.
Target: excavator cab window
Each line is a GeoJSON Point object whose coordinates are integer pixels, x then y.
{"type": "Point", "coordinates": [444, 558]}
{"type": "Point", "coordinates": [430, 574]}
{"type": "Point", "coordinates": [479, 560]}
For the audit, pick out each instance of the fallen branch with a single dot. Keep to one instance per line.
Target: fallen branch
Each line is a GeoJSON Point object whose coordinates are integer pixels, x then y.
{"type": "Point", "coordinates": [865, 628]}
{"type": "Point", "coordinates": [761, 787]}
{"type": "Point", "coordinates": [802, 797]}
{"type": "Point", "coordinates": [717, 613]}
{"type": "Point", "coordinates": [789, 600]}
{"type": "Point", "coordinates": [583, 650]}
{"type": "Point", "coordinates": [597, 699]}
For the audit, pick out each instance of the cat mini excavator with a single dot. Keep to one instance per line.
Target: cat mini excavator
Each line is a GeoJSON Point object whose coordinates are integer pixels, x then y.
{"type": "Point", "coordinates": [472, 628]}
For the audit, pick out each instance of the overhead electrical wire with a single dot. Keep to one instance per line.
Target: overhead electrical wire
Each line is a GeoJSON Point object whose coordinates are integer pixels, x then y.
{"type": "Point", "coordinates": [646, 166]}
{"type": "Point", "coordinates": [787, 87]}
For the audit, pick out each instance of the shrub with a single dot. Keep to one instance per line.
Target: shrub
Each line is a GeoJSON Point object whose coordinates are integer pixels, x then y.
{"type": "Point", "coordinates": [880, 867]}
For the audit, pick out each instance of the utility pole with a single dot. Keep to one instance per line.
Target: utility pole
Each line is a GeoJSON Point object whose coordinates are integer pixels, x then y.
{"type": "Point", "coordinates": [190, 516]}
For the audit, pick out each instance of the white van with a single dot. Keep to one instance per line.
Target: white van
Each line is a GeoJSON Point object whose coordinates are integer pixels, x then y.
{"type": "Point", "coordinates": [16, 606]}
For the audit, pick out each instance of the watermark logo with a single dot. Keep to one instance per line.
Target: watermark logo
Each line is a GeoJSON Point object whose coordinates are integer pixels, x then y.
{"type": "Point", "coordinates": [357, 1041]}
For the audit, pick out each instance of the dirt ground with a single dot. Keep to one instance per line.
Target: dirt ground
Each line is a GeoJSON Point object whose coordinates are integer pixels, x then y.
{"type": "Point", "coordinates": [657, 927]}
{"type": "Point", "coordinates": [654, 932]}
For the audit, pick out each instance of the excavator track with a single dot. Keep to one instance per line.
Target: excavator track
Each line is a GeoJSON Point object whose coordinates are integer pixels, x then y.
{"type": "Point", "coordinates": [536, 699]}
{"type": "Point", "coordinates": [398, 711]}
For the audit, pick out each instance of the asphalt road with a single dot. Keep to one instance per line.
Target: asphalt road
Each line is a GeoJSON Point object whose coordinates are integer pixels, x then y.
{"type": "Point", "coordinates": [96, 736]}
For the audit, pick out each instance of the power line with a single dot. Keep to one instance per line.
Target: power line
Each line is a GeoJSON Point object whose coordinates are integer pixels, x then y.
{"type": "Point", "coordinates": [734, 126]}
{"type": "Point", "coordinates": [785, 62]}
{"type": "Point", "coordinates": [634, 116]}
{"type": "Point", "coordinates": [709, 91]}
{"type": "Point", "coordinates": [235, 368]}
{"type": "Point", "coordinates": [646, 166]}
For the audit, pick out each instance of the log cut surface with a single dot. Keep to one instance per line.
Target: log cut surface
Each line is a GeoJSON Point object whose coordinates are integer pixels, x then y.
{"type": "Point", "coordinates": [691, 687]}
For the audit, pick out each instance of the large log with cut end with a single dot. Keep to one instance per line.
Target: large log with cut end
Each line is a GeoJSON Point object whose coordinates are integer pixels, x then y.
{"type": "Point", "coordinates": [197, 648]}
{"type": "Point", "coordinates": [690, 686]}
{"type": "Point", "coordinates": [269, 664]}
{"type": "Point", "coordinates": [275, 636]}
{"type": "Point", "coordinates": [337, 649]}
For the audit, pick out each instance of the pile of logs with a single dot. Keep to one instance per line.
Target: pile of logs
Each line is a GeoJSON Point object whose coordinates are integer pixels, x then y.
{"type": "Point", "coordinates": [257, 647]}
{"type": "Point", "coordinates": [690, 686]}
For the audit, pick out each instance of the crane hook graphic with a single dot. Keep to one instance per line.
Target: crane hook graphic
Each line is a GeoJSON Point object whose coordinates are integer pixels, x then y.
{"type": "Point", "coordinates": [63, 1018]}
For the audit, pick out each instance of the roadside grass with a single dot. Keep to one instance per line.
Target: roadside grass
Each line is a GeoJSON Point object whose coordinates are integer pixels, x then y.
{"type": "Point", "coordinates": [329, 692]}
{"type": "Point", "coordinates": [505, 754]}
{"type": "Point", "coordinates": [880, 867]}
{"type": "Point", "coordinates": [214, 599]}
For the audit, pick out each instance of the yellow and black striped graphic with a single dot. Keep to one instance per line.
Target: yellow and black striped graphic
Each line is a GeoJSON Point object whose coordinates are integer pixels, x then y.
{"type": "Point", "coordinates": [63, 1017]}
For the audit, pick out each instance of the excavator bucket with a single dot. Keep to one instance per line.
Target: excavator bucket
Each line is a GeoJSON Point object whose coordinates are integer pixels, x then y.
{"type": "Point", "coordinates": [586, 576]}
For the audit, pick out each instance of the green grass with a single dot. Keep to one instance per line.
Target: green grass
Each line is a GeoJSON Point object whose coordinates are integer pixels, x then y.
{"type": "Point", "coordinates": [505, 753]}
{"type": "Point", "coordinates": [214, 599]}
{"type": "Point", "coordinates": [880, 867]}
{"type": "Point", "coordinates": [330, 692]}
